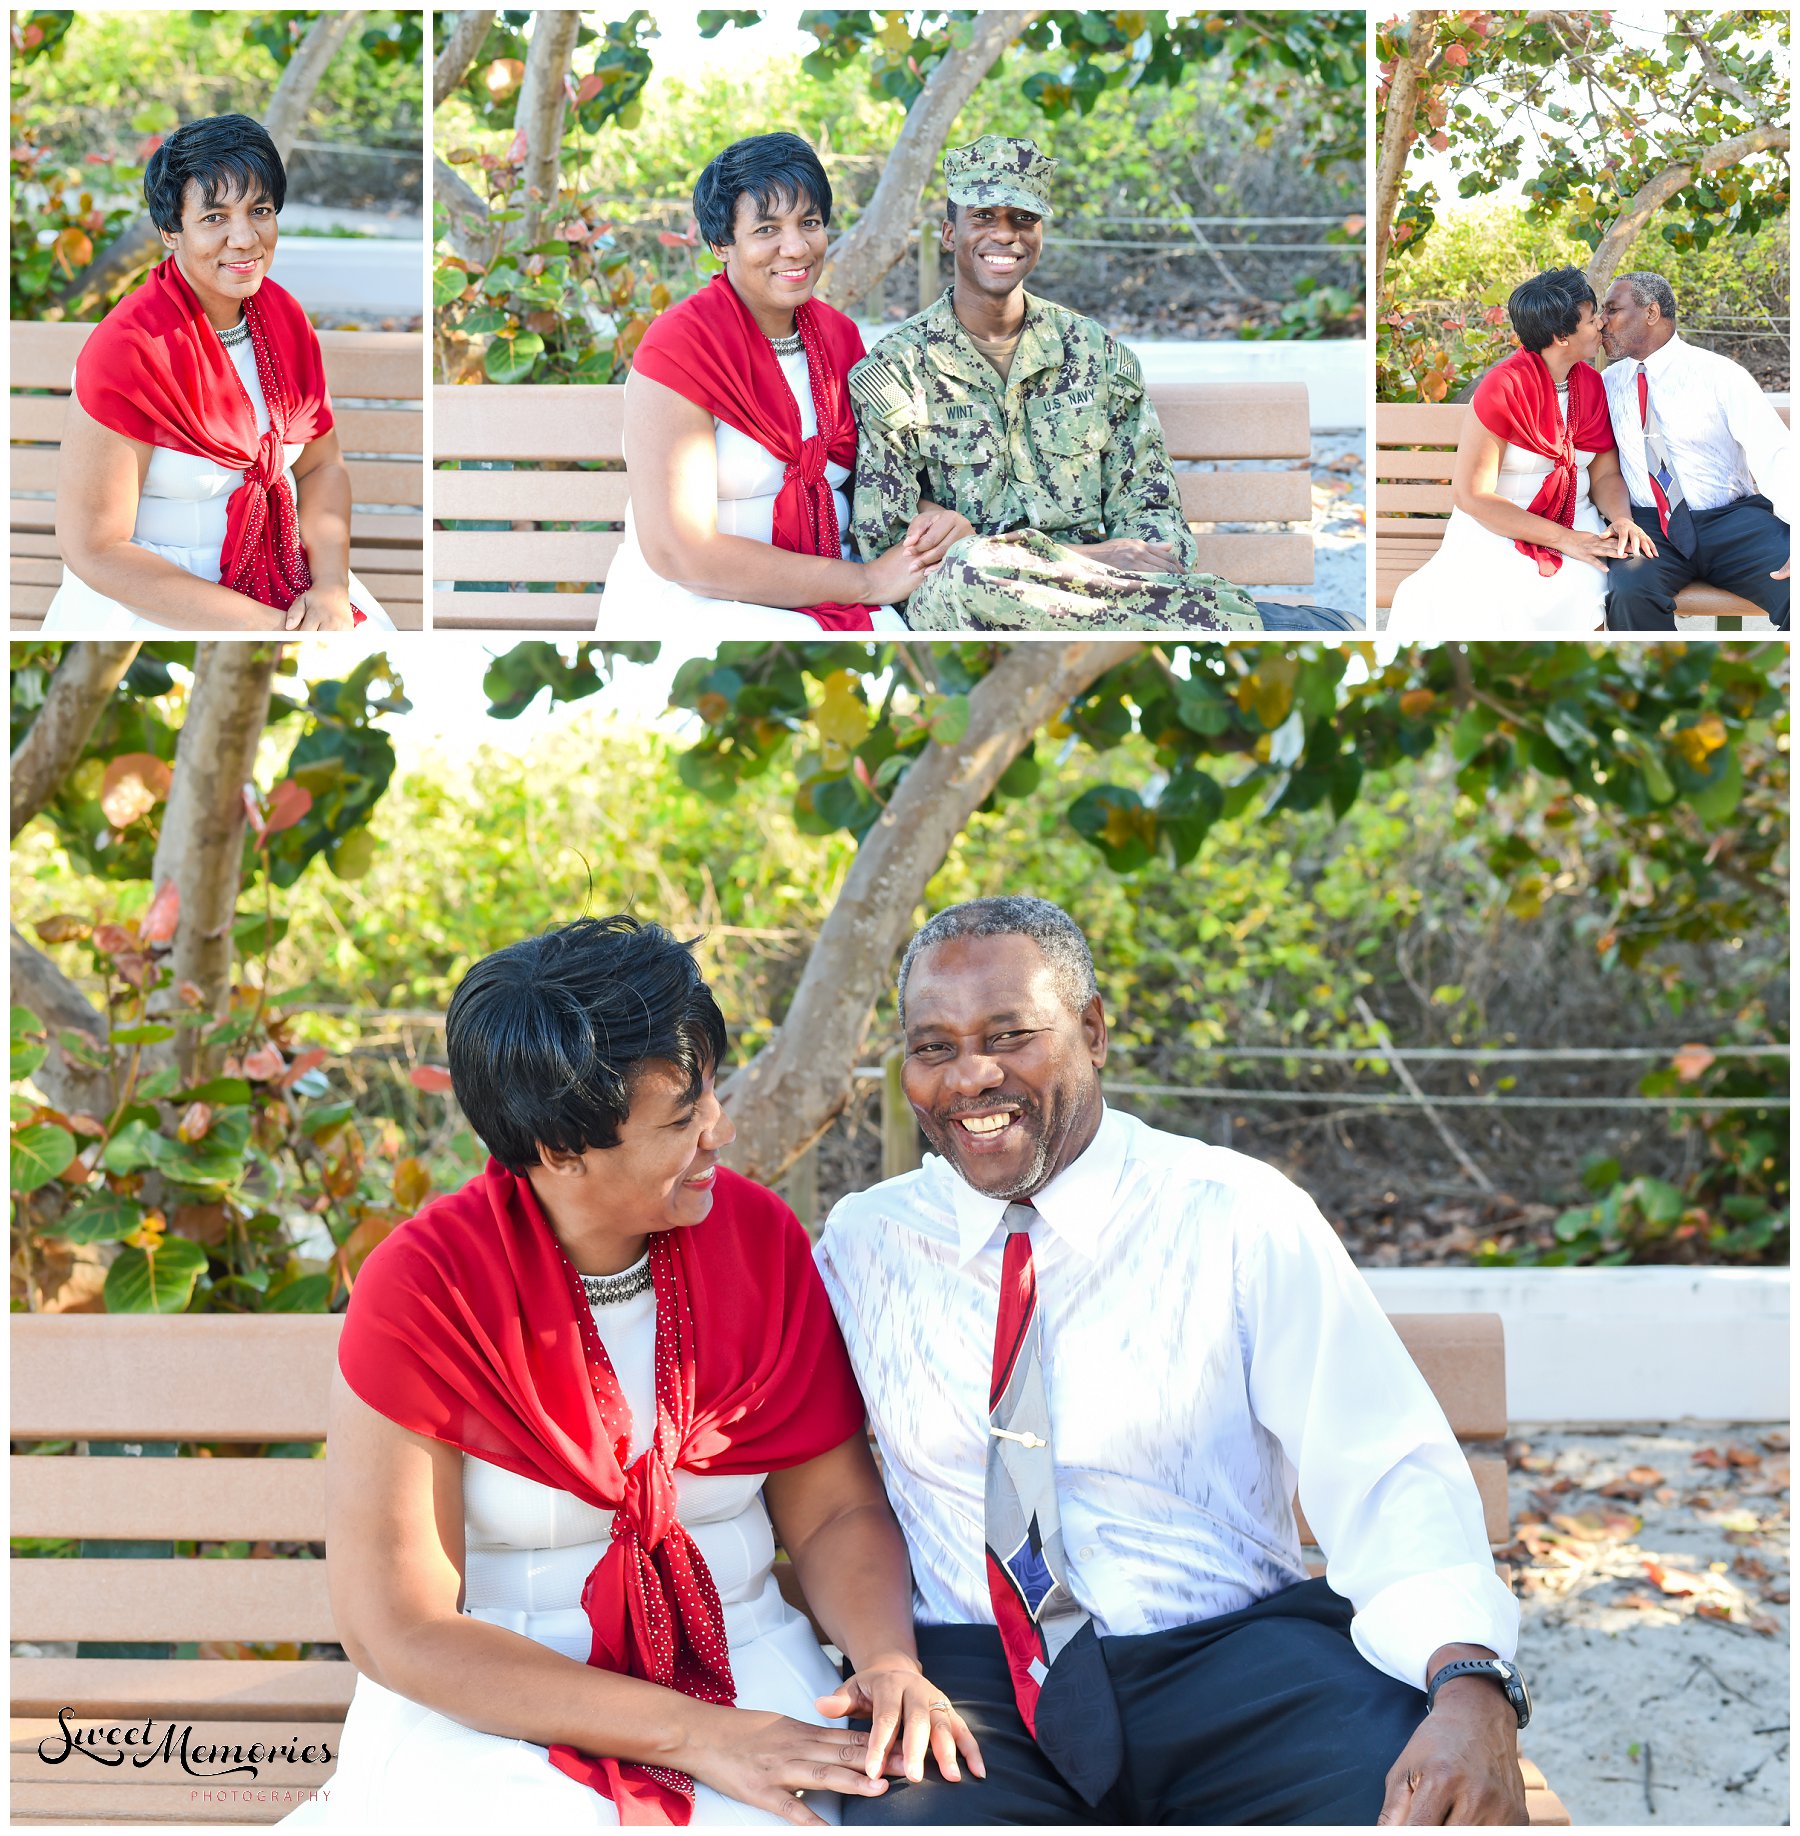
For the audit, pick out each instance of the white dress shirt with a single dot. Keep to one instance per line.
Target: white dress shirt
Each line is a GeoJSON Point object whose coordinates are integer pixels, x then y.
{"type": "Point", "coordinates": [1204, 1336]}
{"type": "Point", "coordinates": [1724, 437]}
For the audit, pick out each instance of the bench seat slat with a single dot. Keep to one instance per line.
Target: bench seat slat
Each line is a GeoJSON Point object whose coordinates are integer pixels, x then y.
{"type": "Point", "coordinates": [514, 611]}
{"type": "Point", "coordinates": [261, 1689]}
{"type": "Point", "coordinates": [28, 1768]}
{"type": "Point", "coordinates": [134, 1600]}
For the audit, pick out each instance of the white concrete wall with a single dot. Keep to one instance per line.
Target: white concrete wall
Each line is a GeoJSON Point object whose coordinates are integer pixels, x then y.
{"type": "Point", "coordinates": [1622, 1345]}
{"type": "Point", "coordinates": [329, 274]}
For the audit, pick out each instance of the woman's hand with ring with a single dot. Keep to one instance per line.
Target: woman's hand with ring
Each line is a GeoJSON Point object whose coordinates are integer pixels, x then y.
{"type": "Point", "coordinates": [908, 1716]}
{"type": "Point", "coordinates": [321, 609]}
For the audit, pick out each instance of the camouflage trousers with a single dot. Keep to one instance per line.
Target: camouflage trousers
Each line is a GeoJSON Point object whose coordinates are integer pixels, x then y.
{"type": "Point", "coordinates": [1026, 581]}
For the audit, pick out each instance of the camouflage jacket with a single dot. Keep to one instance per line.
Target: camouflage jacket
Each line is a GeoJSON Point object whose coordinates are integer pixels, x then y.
{"type": "Point", "coordinates": [1068, 444]}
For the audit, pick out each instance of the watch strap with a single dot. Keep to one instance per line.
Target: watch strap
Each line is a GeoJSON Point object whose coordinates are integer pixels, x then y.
{"type": "Point", "coordinates": [1498, 1671]}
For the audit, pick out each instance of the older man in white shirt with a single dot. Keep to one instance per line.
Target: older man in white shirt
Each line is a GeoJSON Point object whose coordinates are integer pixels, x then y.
{"type": "Point", "coordinates": [1707, 461]}
{"type": "Point", "coordinates": [1097, 1357]}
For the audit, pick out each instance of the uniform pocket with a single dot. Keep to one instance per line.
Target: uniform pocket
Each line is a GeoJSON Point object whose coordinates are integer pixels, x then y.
{"type": "Point", "coordinates": [1070, 429]}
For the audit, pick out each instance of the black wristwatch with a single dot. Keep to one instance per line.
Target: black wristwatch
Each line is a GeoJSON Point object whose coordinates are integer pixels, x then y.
{"type": "Point", "coordinates": [1509, 1676]}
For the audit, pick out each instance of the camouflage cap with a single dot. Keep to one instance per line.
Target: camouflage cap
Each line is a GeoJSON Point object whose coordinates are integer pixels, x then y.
{"type": "Point", "coordinates": [995, 170]}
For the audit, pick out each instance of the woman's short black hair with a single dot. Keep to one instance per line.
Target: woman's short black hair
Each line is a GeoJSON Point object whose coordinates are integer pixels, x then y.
{"type": "Point", "coordinates": [227, 156]}
{"type": "Point", "coordinates": [1548, 306]}
{"type": "Point", "coordinates": [774, 170]}
{"type": "Point", "coordinates": [546, 1036]}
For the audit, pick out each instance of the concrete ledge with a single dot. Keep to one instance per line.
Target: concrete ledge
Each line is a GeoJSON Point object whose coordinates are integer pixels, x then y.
{"type": "Point", "coordinates": [1622, 1345]}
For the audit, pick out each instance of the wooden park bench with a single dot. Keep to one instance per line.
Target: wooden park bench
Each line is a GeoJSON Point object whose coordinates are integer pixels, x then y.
{"type": "Point", "coordinates": [531, 427]}
{"type": "Point", "coordinates": [377, 389]}
{"type": "Point", "coordinates": [124, 1388]}
{"type": "Point", "coordinates": [1415, 453]}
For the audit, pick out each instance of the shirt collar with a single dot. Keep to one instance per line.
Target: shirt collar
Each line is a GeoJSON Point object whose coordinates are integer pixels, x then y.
{"type": "Point", "coordinates": [1660, 360]}
{"type": "Point", "coordinates": [1077, 1204]}
{"type": "Point", "coordinates": [1040, 346]}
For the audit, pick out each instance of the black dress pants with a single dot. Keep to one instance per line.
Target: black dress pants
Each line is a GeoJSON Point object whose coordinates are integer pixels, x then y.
{"type": "Point", "coordinates": [1736, 548]}
{"type": "Point", "coordinates": [1268, 1715]}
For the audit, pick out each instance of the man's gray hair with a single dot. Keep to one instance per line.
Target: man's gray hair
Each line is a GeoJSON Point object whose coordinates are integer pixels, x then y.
{"type": "Point", "coordinates": [1015, 915]}
{"type": "Point", "coordinates": [1652, 290]}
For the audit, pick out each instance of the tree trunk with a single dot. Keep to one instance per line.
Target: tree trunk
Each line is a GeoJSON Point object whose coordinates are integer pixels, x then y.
{"type": "Point", "coordinates": [1651, 197]}
{"type": "Point", "coordinates": [466, 38]}
{"type": "Point", "coordinates": [1397, 134]}
{"type": "Point", "coordinates": [37, 983]}
{"type": "Point", "coordinates": [82, 686]}
{"type": "Point", "coordinates": [543, 101]}
{"type": "Point", "coordinates": [201, 847]}
{"type": "Point", "coordinates": [855, 264]}
{"type": "Point", "coordinates": [786, 1097]}
{"type": "Point", "coordinates": [138, 242]}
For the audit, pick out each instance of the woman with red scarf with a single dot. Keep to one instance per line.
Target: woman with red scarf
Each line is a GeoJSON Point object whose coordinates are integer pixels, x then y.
{"type": "Point", "coordinates": [200, 485]}
{"type": "Point", "coordinates": [1540, 503]}
{"type": "Point", "coordinates": [739, 439]}
{"type": "Point", "coordinates": [578, 1403]}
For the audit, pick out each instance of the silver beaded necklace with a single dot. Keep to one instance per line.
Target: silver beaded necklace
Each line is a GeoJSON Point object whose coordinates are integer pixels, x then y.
{"type": "Point", "coordinates": [235, 335]}
{"type": "Point", "coordinates": [790, 346]}
{"type": "Point", "coordinates": [614, 1290]}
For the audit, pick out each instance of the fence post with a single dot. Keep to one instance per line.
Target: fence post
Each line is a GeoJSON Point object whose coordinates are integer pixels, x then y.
{"type": "Point", "coordinates": [899, 1132]}
{"type": "Point", "coordinates": [928, 272]}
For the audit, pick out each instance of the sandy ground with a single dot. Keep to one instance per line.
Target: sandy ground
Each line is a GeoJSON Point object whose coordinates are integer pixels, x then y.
{"type": "Point", "coordinates": [1652, 1567]}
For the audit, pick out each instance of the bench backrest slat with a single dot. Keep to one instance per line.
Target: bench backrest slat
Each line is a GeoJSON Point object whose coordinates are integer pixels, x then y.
{"type": "Point", "coordinates": [264, 1377]}
{"type": "Point", "coordinates": [184, 1500]}
{"type": "Point", "coordinates": [131, 1599]}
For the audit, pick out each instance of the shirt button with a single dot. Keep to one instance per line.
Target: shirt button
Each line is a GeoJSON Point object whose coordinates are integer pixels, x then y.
{"type": "Point", "coordinates": [1087, 1552]}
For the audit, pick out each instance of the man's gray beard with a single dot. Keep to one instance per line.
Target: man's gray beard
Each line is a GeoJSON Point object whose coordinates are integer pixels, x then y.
{"type": "Point", "coordinates": [1030, 1179]}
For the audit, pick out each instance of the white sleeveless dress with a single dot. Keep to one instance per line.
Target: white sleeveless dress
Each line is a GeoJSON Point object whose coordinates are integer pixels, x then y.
{"type": "Point", "coordinates": [181, 516]}
{"type": "Point", "coordinates": [750, 477]}
{"type": "Point", "coordinates": [1478, 585]}
{"type": "Point", "coordinates": [529, 1548]}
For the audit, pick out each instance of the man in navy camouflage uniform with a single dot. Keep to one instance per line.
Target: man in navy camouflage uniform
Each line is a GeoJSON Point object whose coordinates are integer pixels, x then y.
{"type": "Point", "coordinates": [1033, 425]}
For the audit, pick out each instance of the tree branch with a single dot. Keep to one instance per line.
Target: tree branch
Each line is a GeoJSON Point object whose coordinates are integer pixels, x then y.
{"type": "Point", "coordinates": [37, 983]}
{"type": "Point", "coordinates": [855, 264]}
{"type": "Point", "coordinates": [82, 686]}
{"type": "Point", "coordinates": [1652, 196]}
{"type": "Point", "coordinates": [543, 101]}
{"type": "Point", "coordinates": [201, 847]}
{"type": "Point", "coordinates": [466, 38]}
{"type": "Point", "coordinates": [1716, 75]}
{"type": "Point", "coordinates": [136, 245]}
{"type": "Point", "coordinates": [1397, 135]}
{"type": "Point", "coordinates": [471, 227]}
{"type": "Point", "coordinates": [785, 1098]}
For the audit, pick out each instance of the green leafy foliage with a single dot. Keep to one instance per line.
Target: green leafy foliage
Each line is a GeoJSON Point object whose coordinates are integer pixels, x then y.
{"type": "Point", "coordinates": [1275, 823]}
{"type": "Point", "coordinates": [1118, 99]}
{"type": "Point", "coordinates": [94, 93]}
{"type": "Point", "coordinates": [1585, 109]}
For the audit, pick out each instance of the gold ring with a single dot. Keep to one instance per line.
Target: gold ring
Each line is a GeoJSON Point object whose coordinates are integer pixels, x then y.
{"type": "Point", "coordinates": [1413, 1778]}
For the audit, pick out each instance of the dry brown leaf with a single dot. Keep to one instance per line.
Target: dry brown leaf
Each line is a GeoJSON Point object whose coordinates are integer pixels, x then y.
{"type": "Point", "coordinates": [1644, 1475]}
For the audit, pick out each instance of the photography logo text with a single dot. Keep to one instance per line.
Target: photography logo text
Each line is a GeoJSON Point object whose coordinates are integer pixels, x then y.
{"type": "Point", "coordinates": [174, 1744]}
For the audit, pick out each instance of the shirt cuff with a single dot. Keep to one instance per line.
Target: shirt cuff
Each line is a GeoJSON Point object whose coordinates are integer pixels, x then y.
{"type": "Point", "coordinates": [1408, 1620]}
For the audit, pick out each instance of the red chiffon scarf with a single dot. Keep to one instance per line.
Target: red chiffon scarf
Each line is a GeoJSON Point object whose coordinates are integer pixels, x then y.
{"type": "Point", "coordinates": [470, 1326]}
{"type": "Point", "coordinates": [710, 350]}
{"type": "Point", "coordinates": [1516, 402]}
{"type": "Point", "coordinates": [154, 370]}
